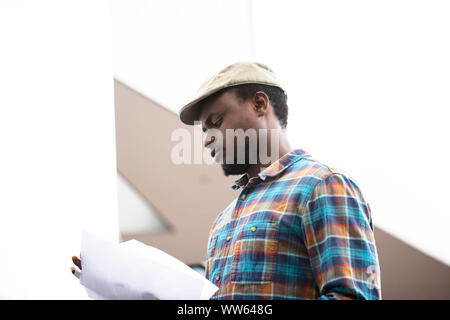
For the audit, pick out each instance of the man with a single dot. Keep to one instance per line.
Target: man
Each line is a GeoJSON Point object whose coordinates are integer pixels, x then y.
{"type": "Point", "coordinates": [298, 228]}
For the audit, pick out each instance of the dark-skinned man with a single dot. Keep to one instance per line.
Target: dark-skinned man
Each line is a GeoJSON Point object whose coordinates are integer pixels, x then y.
{"type": "Point", "coordinates": [298, 229]}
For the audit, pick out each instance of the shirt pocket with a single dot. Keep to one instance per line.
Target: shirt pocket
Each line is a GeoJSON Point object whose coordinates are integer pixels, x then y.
{"type": "Point", "coordinates": [210, 253]}
{"type": "Point", "coordinates": [212, 244]}
{"type": "Point", "coordinates": [254, 253]}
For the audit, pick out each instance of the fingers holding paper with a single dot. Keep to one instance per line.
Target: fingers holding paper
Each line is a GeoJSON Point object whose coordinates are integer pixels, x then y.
{"type": "Point", "coordinates": [77, 261]}
{"type": "Point", "coordinates": [75, 271]}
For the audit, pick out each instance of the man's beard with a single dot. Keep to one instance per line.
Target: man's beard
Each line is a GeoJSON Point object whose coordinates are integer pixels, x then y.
{"type": "Point", "coordinates": [237, 167]}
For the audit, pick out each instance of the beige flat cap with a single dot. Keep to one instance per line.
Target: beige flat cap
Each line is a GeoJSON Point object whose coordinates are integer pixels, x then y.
{"type": "Point", "coordinates": [233, 75]}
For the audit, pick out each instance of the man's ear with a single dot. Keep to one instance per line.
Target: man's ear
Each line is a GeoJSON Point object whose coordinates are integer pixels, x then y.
{"type": "Point", "coordinates": [260, 102]}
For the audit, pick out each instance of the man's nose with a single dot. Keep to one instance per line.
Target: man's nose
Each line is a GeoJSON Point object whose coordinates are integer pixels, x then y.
{"type": "Point", "coordinates": [209, 140]}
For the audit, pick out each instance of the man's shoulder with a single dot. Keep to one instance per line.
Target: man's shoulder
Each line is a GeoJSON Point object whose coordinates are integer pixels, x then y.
{"type": "Point", "coordinates": [313, 177]}
{"type": "Point", "coordinates": [222, 214]}
{"type": "Point", "coordinates": [308, 172]}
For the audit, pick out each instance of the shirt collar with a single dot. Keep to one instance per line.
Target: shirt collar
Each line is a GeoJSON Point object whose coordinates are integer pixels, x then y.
{"type": "Point", "coordinates": [273, 170]}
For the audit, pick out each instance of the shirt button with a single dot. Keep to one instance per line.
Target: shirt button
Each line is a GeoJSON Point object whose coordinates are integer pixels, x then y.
{"type": "Point", "coordinates": [218, 278]}
{"type": "Point", "coordinates": [253, 229]}
{"type": "Point", "coordinates": [243, 197]}
{"type": "Point", "coordinates": [228, 238]}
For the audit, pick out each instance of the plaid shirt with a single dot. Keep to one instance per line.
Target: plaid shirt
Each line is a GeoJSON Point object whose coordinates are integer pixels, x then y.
{"type": "Point", "coordinates": [298, 230]}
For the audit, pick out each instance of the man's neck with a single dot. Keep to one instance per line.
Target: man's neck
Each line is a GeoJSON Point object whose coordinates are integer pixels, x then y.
{"type": "Point", "coordinates": [283, 149]}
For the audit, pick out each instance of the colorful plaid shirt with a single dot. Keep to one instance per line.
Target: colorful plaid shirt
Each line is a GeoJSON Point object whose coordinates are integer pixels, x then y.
{"type": "Point", "coordinates": [298, 230]}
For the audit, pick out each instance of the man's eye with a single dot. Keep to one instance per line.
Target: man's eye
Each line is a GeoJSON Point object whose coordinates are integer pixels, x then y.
{"type": "Point", "coordinates": [217, 123]}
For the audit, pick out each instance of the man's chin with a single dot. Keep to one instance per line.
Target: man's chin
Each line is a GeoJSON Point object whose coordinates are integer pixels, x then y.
{"type": "Point", "coordinates": [235, 169]}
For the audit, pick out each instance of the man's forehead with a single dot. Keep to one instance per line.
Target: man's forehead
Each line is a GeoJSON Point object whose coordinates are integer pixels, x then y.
{"type": "Point", "coordinates": [214, 104]}
{"type": "Point", "coordinates": [205, 109]}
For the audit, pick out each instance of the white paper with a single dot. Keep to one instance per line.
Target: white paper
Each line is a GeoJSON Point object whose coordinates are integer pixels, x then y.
{"type": "Point", "coordinates": [133, 270]}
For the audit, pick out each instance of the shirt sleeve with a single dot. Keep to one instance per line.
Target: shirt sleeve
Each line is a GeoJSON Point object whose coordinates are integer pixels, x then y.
{"type": "Point", "coordinates": [338, 233]}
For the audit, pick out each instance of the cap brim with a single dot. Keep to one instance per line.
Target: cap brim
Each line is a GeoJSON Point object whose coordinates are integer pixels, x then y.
{"type": "Point", "coordinates": [191, 112]}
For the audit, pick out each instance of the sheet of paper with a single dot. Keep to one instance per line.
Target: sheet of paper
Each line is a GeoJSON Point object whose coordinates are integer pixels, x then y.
{"type": "Point", "coordinates": [133, 270]}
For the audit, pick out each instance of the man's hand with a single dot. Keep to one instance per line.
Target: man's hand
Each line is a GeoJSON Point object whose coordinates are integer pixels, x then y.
{"type": "Point", "coordinates": [75, 271]}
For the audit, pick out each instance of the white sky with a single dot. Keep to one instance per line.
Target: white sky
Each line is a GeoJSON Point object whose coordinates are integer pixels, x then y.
{"type": "Point", "coordinates": [368, 85]}
{"type": "Point", "coordinates": [57, 138]}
